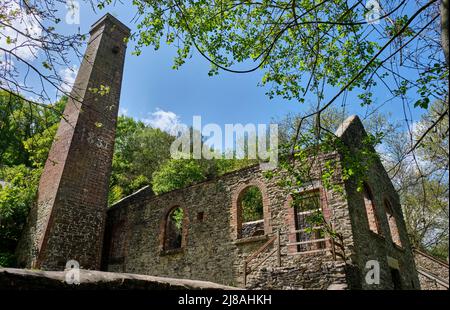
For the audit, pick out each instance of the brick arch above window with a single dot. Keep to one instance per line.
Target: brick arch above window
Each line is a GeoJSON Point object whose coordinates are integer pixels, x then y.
{"type": "Point", "coordinates": [236, 208]}
{"type": "Point", "coordinates": [370, 207]}
{"type": "Point", "coordinates": [392, 222]}
{"type": "Point", "coordinates": [164, 249]}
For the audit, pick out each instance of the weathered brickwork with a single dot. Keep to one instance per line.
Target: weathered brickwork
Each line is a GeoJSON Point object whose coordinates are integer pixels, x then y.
{"type": "Point", "coordinates": [68, 219]}
{"type": "Point", "coordinates": [213, 249]}
{"type": "Point", "coordinates": [433, 273]}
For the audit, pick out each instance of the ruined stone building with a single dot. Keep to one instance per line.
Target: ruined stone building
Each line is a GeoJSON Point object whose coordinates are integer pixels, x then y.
{"type": "Point", "coordinates": [199, 232]}
{"type": "Point", "coordinates": [213, 243]}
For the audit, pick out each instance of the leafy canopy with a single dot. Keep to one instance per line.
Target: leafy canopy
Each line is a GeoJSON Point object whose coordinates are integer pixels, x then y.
{"type": "Point", "coordinates": [290, 41]}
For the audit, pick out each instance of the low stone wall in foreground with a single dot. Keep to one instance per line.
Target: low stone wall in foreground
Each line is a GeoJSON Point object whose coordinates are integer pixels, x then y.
{"type": "Point", "coordinates": [24, 279]}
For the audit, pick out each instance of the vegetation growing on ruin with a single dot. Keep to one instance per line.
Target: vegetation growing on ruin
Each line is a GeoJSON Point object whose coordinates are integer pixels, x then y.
{"type": "Point", "coordinates": [318, 50]}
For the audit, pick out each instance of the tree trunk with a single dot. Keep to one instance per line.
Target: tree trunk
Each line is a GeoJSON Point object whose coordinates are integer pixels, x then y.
{"type": "Point", "coordinates": [444, 27]}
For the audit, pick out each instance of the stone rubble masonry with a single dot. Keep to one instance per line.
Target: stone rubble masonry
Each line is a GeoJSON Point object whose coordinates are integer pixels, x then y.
{"type": "Point", "coordinates": [314, 274]}
{"type": "Point", "coordinates": [68, 219]}
{"type": "Point", "coordinates": [213, 250]}
{"type": "Point", "coordinates": [366, 244]}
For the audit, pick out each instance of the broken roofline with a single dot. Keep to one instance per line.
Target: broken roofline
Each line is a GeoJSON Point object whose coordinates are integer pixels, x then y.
{"type": "Point", "coordinates": [146, 192]}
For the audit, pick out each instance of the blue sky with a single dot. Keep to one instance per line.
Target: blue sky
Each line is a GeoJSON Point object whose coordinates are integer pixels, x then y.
{"type": "Point", "coordinates": [154, 92]}
{"type": "Point", "coordinates": [150, 83]}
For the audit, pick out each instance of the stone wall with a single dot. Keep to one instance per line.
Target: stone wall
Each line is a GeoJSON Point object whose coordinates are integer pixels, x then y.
{"type": "Point", "coordinates": [22, 279]}
{"type": "Point", "coordinates": [380, 246]}
{"type": "Point", "coordinates": [212, 248]}
{"type": "Point", "coordinates": [433, 273]}
{"type": "Point", "coordinates": [313, 275]}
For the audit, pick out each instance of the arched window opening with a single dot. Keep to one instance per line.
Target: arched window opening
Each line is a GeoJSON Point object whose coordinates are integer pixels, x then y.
{"type": "Point", "coordinates": [252, 212]}
{"type": "Point", "coordinates": [370, 209]}
{"type": "Point", "coordinates": [392, 223]}
{"type": "Point", "coordinates": [309, 221]}
{"type": "Point", "coordinates": [173, 238]}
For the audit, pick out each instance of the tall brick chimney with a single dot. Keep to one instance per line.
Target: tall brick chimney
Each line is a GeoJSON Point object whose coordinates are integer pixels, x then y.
{"type": "Point", "coordinates": [68, 219]}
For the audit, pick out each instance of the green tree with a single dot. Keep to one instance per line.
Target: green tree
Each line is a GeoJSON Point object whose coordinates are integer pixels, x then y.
{"type": "Point", "coordinates": [307, 47]}
{"type": "Point", "coordinates": [177, 173]}
{"type": "Point", "coordinates": [426, 215]}
{"type": "Point", "coordinates": [39, 145]}
{"type": "Point", "coordinates": [26, 135]}
{"type": "Point", "coordinates": [17, 194]}
{"type": "Point", "coordinates": [139, 151]}
{"type": "Point", "coordinates": [252, 205]}
{"type": "Point", "coordinates": [19, 121]}
{"type": "Point", "coordinates": [421, 178]}
{"type": "Point", "coordinates": [434, 147]}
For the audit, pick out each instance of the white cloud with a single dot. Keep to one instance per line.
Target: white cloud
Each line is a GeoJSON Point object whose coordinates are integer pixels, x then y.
{"type": "Point", "coordinates": [19, 22]}
{"type": "Point", "coordinates": [68, 76]}
{"type": "Point", "coordinates": [165, 120]}
{"type": "Point", "coordinates": [123, 111]}
{"type": "Point", "coordinates": [417, 128]}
